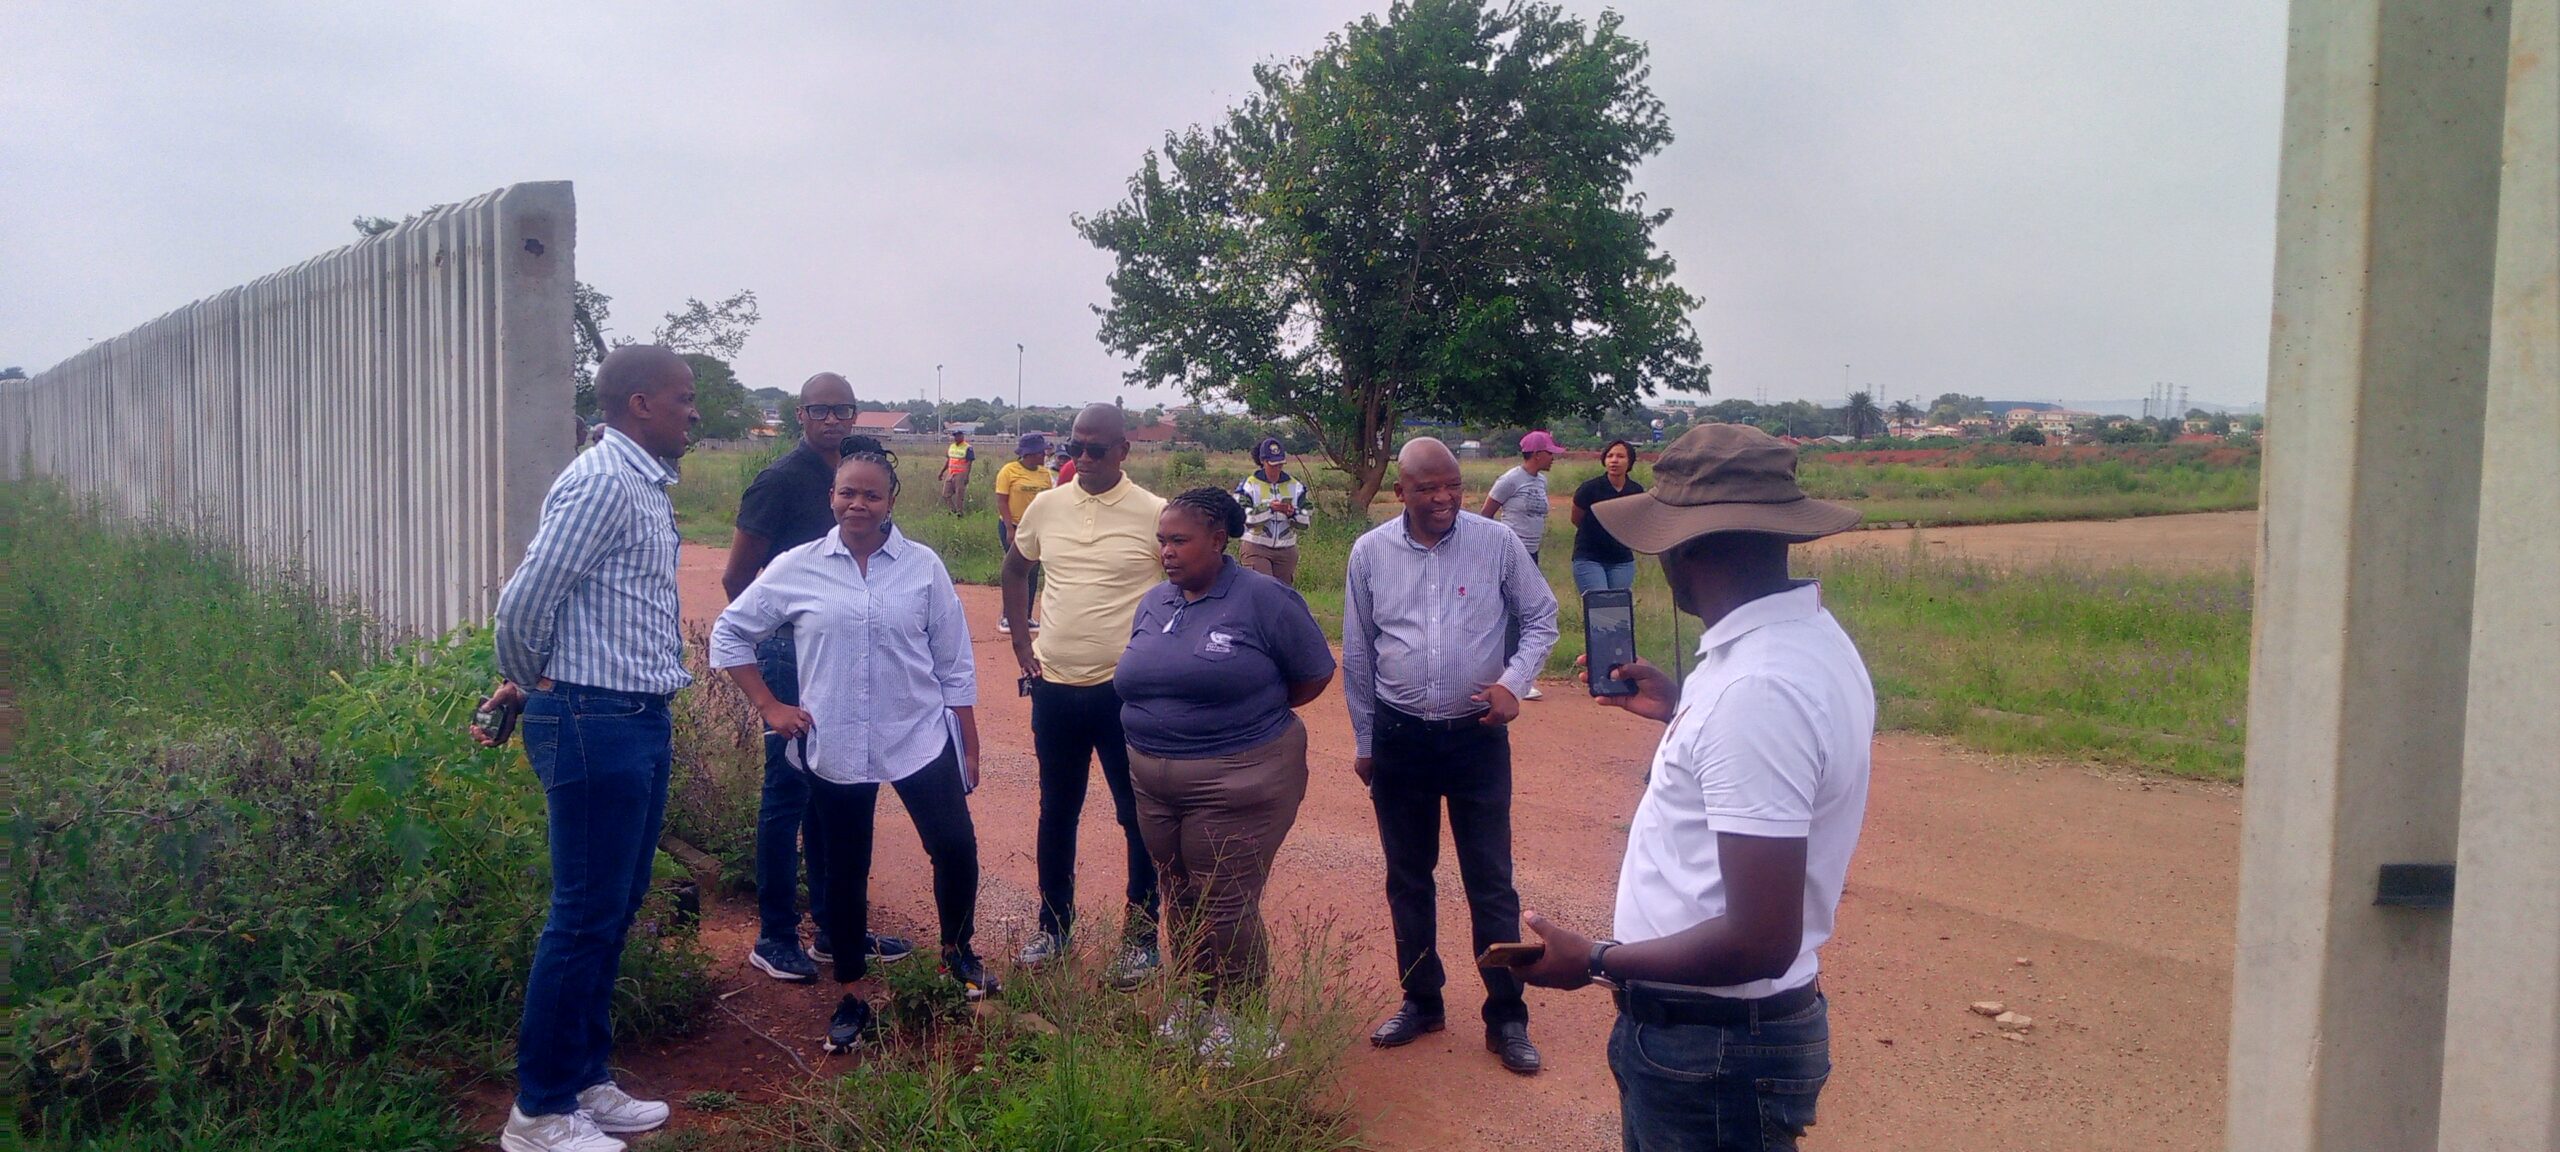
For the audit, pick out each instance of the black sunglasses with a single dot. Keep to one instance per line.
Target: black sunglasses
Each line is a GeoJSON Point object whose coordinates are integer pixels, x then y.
{"type": "Point", "coordinates": [824, 411]}
{"type": "Point", "coordinates": [1082, 449]}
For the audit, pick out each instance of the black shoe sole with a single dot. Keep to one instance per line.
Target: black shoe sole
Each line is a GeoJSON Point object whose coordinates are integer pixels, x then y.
{"type": "Point", "coordinates": [1428, 1027]}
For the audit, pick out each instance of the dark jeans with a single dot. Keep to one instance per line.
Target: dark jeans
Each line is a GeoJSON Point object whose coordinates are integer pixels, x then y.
{"type": "Point", "coordinates": [1070, 728]}
{"type": "Point", "coordinates": [1413, 771]}
{"type": "Point", "coordinates": [1702, 1087]}
{"type": "Point", "coordinates": [782, 823]}
{"type": "Point", "coordinates": [940, 809]}
{"type": "Point", "coordinates": [602, 758]}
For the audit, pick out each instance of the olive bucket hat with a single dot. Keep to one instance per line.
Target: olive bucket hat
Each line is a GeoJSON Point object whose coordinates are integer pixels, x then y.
{"type": "Point", "coordinates": [1722, 478]}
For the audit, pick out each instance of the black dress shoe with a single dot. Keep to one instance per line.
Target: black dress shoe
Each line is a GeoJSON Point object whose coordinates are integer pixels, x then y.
{"type": "Point", "coordinates": [1511, 1043]}
{"type": "Point", "coordinates": [1409, 1024]}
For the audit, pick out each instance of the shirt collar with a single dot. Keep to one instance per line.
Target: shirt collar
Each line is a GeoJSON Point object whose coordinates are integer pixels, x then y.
{"type": "Point", "coordinates": [832, 544]}
{"type": "Point", "coordinates": [1111, 496]}
{"type": "Point", "coordinates": [1404, 531]}
{"type": "Point", "coordinates": [1797, 603]}
{"type": "Point", "coordinates": [637, 458]}
{"type": "Point", "coordinates": [1227, 570]}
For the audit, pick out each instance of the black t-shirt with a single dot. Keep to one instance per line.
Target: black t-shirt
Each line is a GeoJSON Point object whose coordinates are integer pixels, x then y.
{"type": "Point", "coordinates": [1591, 541]}
{"type": "Point", "coordinates": [787, 502]}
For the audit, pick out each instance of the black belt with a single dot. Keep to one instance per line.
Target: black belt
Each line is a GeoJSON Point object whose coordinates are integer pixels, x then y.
{"type": "Point", "coordinates": [564, 688]}
{"type": "Point", "coordinates": [1399, 718]}
{"type": "Point", "coordinates": [1646, 1002]}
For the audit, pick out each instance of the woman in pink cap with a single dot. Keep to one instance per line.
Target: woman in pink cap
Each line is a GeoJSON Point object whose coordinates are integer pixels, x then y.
{"type": "Point", "coordinates": [1519, 500]}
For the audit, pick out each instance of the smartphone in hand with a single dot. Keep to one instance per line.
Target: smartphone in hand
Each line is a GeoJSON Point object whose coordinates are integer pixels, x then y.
{"type": "Point", "coordinates": [1513, 955]}
{"type": "Point", "coordinates": [499, 721]}
{"type": "Point", "coordinates": [1609, 638]}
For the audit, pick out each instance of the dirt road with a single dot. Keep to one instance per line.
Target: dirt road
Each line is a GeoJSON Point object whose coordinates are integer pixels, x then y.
{"type": "Point", "coordinates": [2197, 540]}
{"type": "Point", "coordinates": [2101, 906]}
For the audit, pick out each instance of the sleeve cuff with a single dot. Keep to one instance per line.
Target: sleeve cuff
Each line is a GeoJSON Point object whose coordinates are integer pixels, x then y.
{"type": "Point", "coordinates": [1755, 826]}
{"type": "Point", "coordinates": [966, 697]}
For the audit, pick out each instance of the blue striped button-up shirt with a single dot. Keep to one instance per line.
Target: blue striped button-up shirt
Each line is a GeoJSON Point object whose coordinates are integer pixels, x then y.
{"type": "Point", "coordinates": [594, 602]}
{"type": "Point", "coordinates": [883, 654]}
{"type": "Point", "coordinates": [1422, 628]}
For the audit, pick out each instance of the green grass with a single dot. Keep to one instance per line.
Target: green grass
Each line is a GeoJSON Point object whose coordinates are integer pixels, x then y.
{"type": "Point", "coordinates": [2131, 668]}
{"type": "Point", "coordinates": [267, 894]}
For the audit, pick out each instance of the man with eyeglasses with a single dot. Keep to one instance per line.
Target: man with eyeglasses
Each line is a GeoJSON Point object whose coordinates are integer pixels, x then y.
{"type": "Point", "coordinates": [785, 507]}
{"type": "Point", "coordinates": [1095, 542]}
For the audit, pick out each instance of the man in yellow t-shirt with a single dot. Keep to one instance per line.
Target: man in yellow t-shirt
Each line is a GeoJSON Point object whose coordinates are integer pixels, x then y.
{"type": "Point", "coordinates": [1095, 541]}
{"type": "Point", "coordinates": [1023, 477]}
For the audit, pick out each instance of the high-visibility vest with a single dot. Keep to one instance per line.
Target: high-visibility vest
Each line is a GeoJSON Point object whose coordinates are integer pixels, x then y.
{"type": "Point", "coordinates": [959, 460]}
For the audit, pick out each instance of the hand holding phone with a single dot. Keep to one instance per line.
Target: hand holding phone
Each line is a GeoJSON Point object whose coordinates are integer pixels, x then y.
{"type": "Point", "coordinates": [494, 722]}
{"type": "Point", "coordinates": [1514, 955]}
{"type": "Point", "coordinates": [1609, 638]}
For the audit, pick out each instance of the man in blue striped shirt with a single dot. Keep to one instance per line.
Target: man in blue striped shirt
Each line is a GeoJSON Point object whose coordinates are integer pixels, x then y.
{"type": "Point", "coordinates": [588, 642]}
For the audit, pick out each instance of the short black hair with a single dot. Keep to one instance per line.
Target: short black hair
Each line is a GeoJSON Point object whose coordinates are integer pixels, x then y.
{"type": "Point", "coordinates": [1216, 507]}
{"type": "Point", "coordinates": [869, 450]}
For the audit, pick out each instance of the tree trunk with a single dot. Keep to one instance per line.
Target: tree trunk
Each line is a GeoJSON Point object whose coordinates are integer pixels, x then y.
{"type": "Point", "coordinates": [1367, 476]}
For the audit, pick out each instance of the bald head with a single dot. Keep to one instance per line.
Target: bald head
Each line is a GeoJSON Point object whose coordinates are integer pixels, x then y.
{"type": "Point", "coordinates": [1103, 432]}
{"type": "Point", "coordinates": [634, 369]}
{"type": "Point", "coordinates": [1105, 420]}
{"type": "Point", "coordinates": [1426, 456]}
{"type": "Point", "coordinates": [826, 388]}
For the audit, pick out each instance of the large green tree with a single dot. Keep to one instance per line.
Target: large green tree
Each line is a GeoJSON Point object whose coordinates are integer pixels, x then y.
{"type": "Point", "coordinates": [1428, 218]}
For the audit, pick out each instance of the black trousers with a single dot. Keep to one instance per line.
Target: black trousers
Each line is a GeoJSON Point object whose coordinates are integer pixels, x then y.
{"type": "Point", "coordinates": [940, 809]}
{"type": "Point", "coordinates": [1070, 728]}
{"type": "Point", "coordinates": [1414, 771]}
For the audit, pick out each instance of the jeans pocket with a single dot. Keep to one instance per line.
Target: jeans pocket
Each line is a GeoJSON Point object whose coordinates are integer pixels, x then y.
{"type": "Point", "coordinates": [1687, 1053]}
{"type": "Point", "coordinates": [605, 707]}
{"type": "Point", "coordinates": [1786, 1109]}
{"type": "Point", "coordinates": [542, 748]}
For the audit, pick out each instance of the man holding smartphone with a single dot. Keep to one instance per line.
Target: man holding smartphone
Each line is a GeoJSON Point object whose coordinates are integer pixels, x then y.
{"type": "Point", "coordinates": [1432, 688]}
{"type": "Point", "coordinates": [588, 642]}
{"type": "Point", "coordinates": [1739, 849]}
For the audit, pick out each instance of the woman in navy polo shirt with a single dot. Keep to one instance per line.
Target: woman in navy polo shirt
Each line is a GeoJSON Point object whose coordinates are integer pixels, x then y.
{"type": "Point", "coordinates": [1218, 659]}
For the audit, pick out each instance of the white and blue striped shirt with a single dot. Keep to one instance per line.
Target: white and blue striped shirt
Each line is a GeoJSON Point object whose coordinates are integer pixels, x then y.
{"type": "Point", "coordinates": [594, 602]}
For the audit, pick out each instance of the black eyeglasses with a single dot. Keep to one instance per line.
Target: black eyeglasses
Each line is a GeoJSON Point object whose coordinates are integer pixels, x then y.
{"type": "Point", "coordinates": [826, 411]}
{"type": "Point", "coordinates": [1082, 449]}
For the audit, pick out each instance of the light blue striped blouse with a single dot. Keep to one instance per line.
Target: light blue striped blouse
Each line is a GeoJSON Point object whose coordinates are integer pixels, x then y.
{"type": "Point", "coordinates": [594, 602]}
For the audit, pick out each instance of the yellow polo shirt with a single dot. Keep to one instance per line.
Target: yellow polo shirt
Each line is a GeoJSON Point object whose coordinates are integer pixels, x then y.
{"type": "Point", "coordinates": [1097, 557]}
{"type": "Point", "coordinates": [1016, 485]}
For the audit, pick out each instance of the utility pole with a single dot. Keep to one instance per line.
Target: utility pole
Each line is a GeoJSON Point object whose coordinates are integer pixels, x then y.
{"type": "Point", "coordinates": [1018, 425]}
{"type": "Point", "coordinates": [937, 400]}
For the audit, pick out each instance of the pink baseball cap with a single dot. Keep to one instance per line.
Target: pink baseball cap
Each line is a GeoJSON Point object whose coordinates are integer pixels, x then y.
{"type": "Point", "coordinates": [1538, 441]}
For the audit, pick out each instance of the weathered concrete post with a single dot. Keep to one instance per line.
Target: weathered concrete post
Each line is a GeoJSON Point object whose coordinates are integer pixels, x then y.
{"type": "Point", "coordinates": [2386, 238]}
{"type": "Point", "coordinates": [2502, 1011]}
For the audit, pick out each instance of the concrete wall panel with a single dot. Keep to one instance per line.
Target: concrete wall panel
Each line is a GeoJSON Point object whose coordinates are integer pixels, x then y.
{"type": "Point", "coordinates": [381, 420]}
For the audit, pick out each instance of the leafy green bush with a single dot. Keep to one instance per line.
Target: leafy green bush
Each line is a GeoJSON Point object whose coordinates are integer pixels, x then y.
{"type": "Point", "coordinates": [256, 878]}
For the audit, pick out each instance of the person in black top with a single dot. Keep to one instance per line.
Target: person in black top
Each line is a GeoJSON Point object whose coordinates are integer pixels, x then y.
{"type": "Point", "coordinates": [783, 508]}
{"type": "Point", "coordinates": [1599, 561]}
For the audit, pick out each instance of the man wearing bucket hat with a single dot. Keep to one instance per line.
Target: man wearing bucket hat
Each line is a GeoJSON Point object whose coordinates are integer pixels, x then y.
{"type": "Point", "coordinates": [1738, 851]}
{"type": "Point", "coordinates": [1275, 508]}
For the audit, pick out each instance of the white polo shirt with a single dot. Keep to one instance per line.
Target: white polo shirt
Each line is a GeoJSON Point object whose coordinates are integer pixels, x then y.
{"type": "Point", "coordinates": [1771, 739]}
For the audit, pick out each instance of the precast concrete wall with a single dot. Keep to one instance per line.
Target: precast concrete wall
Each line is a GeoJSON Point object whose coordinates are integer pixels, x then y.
{"type": "Point", "coordinates": [381, 421]}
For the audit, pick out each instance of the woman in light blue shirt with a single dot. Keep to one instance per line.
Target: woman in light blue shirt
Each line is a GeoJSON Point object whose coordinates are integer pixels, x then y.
{"type": "Point", "coordinates": [887, 696]}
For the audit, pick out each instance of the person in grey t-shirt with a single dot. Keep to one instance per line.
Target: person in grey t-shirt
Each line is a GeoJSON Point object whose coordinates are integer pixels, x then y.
{"type": "Point", "coordinates": [1519, 498]}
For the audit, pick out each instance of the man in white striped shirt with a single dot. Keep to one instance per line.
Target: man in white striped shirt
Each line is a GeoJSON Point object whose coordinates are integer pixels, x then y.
{"type": "Point", "coordinates": [588, 642]}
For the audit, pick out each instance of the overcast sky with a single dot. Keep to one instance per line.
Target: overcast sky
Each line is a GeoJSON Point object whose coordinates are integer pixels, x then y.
{"type": "Point", "coordinates": [2034, 200]}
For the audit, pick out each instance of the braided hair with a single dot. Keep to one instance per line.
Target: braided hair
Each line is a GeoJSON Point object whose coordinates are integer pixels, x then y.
{"type": "Point", "coordinates": [869, 450]}
{"type": "Point", "coordinates": [1216, 507]}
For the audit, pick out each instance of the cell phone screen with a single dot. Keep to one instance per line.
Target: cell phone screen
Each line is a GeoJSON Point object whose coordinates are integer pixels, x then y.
{"type": "Point", "coordinates": [1609, 638]}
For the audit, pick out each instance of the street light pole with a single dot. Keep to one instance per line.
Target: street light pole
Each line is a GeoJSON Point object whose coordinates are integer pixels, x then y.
{"type": "Point", "coordinates": [1018, 425]}
{"type": "Point", "coordinates": [938, 414]}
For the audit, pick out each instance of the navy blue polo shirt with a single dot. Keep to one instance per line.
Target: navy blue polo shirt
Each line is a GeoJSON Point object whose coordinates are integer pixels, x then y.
{"type": "Point", "coordinates": [1211, 677]}
{"type": "Point", "coordinates": [787, 502]}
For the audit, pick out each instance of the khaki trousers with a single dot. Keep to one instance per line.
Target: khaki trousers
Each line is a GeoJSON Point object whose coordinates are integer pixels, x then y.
{"type": "Point", "coordinates": [1280, 564]}
{"type": "Point", "coordinates": [1213, 826]}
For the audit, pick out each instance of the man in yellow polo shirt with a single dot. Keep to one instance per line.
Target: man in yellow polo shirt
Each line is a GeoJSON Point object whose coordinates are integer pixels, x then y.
{"type": "Point", "coordinates": [1023, 477]}
{"type": "Point", "coordinates": [1095, 542]}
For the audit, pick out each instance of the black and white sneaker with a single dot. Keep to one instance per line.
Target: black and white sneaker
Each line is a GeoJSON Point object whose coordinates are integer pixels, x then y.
{"type": "Point", "coordinates": [783, 960]}
{"type": "Point", "coordinates": [850, 1027]}
{"type": "Point", "coordinates": [821, 949]}
{"type": "Point", "coordinates": [972, 974]}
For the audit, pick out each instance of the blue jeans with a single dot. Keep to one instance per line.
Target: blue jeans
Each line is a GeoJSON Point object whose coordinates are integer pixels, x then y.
{"type": "Point", "coordinates": [783, 826]}
{"type": "Point", "coordinates": [602, 758]}
{"type": "Point", "coordinates": [1720, 1087]}
{"type": "Point", "coordinates": [1592, 575]}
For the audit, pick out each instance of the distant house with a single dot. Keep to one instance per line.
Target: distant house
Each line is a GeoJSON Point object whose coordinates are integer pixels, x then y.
{"type": "Point", "coordinates": [964, 427]}
{"type": "Point", "coordinates": [891, 421]}
{"type": "Point", "coordinates": [1160, 432]}
{"type": "Point", "coordinates": [1981, 425]}
{"type": "Point", "coordinates": [2017, 416]}
{"type": "Point", "coordinates": [2197, 424]}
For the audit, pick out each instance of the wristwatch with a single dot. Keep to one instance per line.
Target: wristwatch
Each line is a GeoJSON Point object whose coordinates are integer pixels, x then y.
{"type": "Point", "coordinates": [1599, 965]}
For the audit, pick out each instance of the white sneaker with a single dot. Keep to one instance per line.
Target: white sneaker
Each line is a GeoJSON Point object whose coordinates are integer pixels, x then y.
{"type": "Point", "coordinates": [558, 1132]}
{"type": "Point", "coordinates": [615, 1111]}
{"type": "Point", "coordinates": [1004, 626]}
{"type": "Point", "coordinates": [1534, 694]}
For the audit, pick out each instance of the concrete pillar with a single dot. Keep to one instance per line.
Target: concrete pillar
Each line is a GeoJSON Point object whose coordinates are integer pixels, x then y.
{"type": "Point", "coordinates": [2386, 233]}
{"type": "Point", "coordinates": [2502, 1012]}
